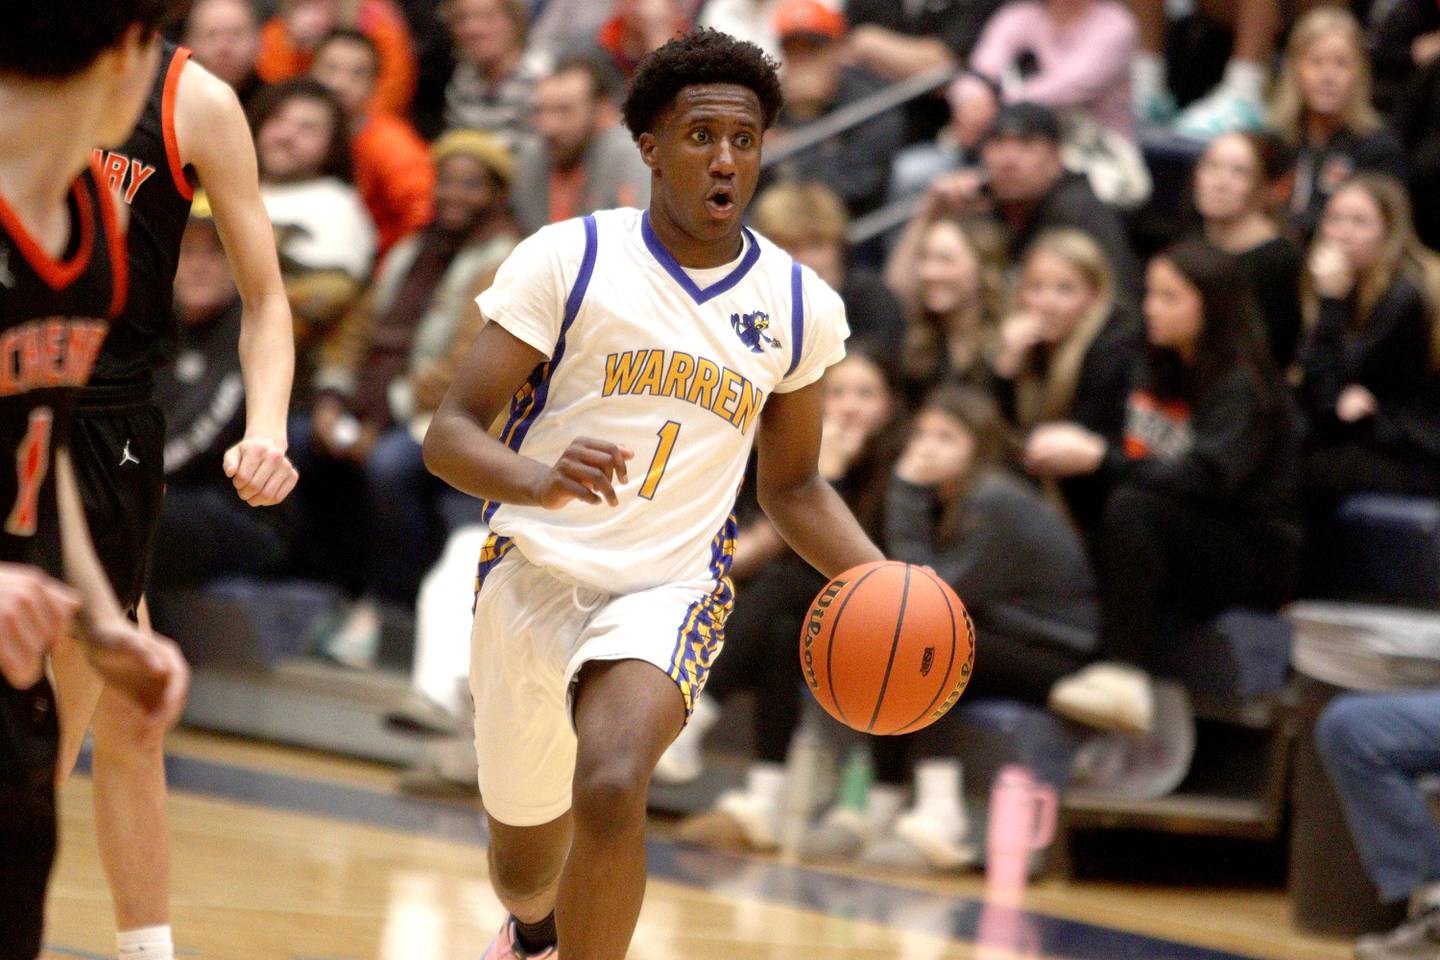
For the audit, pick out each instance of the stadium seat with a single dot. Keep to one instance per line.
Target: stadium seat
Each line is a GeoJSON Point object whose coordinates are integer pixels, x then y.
{"type": "Point", "coordinates": [1382, 548]}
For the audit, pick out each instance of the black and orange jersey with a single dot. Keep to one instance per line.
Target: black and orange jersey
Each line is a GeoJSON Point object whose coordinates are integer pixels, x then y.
{"type": "Point", "coordinates": [54, 314]}
{"type": "Point", "coordinates": [146, 173]}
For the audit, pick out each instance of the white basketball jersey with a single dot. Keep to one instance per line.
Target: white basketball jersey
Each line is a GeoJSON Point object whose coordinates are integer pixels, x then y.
{"type": "Point", "coordinates": [675, 365]}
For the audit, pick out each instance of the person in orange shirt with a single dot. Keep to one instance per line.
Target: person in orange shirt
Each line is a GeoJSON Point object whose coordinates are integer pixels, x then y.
{"type": "Point", "coordinates": [393, 173]}
{"type": "Point", "coordinates": [290, 40]}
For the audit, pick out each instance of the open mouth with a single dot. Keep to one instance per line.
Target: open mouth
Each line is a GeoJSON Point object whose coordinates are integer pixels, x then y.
{"type": "Point", "coordinates": [720, 201]}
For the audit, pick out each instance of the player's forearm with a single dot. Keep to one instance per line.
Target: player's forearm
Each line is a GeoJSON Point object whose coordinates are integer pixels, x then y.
{"type": "Point", "coordinates": [267, 364]}
{"type": "Point", "coordinates": [816, 523]}
{"type": "Point", "coordinates": [83, 570]}
{"type": "Point", "coordinates": [460, 452]}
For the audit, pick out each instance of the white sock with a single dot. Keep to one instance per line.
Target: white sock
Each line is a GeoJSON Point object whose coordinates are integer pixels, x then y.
{"type": "Point", "coordinates": [937, 790]}
{"type": "Point", "coordinates": [1246, 78]}
{"type": "Point", "coordinates": [882, 806]}
{"type": "Point", "coordinates": [147, 943]}
{"type": "Point", "coordinates": [766, 782]}
{"type": "Point", "coordinates": [1147, 73]}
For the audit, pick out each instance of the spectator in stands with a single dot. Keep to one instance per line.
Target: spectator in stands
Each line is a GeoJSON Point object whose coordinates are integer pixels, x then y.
{"type": "Point", "coordinates": [858, 448]}
{"type": "Point", "coordinates": [1025, 184]}
{"type": "Point", "coordinates": [1371, 391]}
{"type": "Point", "coordinates": [974, 103]}
{"type": "Point", "coordinates": [817, 82]}
{"type": "Point", "coordinates": [1376, 747]}
{"type": "Point", "coordinates": [949, 275]}
{"type": "Point", "coordinates": [1322, 108]}
{"type": "Point", "coordinates": [752, 20]}
{"type": "Point", "coordinates": [323, 233]}
{"type": "Point", "coordinates": [957, 505]}
{"type": "Point", "coordinates": [1236, 181]}
{"type": "Point", "coordinates": [563, 27]}
{"type": "Point", "coordinates": [898, 41]}
{"type": "Point", "coordinates": [808, 220]}
{"type": "Point", "coordinates": [1066, 54]}
{"type": "Point", "coordinates": [1237, 103]}
{"type": "Point", "coordinates": [639, 26]}
{"type": "Point", "coordinates": [1202, 517]}
{"type": "Point", "coordinates": [224, 37]}
{"type": "Point", "coordinates": [583, 159]}
{"type": "Point", "coordinates": [385, 372]}
{"type": "Point", "coordinates": [1407, 64]}
{"type": "Point", "coordinates": [204, 530]}
{"type": "Point", "coordinates": [492, 84]}
{"type": "Point", "coordinates": [393, 174]}
{"type": "Point", "coordinates": [289, 41]}
{"type": "Point", "coordinates": [1067, 354]}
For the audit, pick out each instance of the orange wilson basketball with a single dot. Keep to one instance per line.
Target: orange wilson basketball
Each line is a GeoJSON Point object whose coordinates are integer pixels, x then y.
{"type": "Point", "coordinates": [887, 648]}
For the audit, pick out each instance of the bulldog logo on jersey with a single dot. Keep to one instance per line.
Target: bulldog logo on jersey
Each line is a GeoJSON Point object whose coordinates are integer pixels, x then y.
{"type": "Point", "coordinates": [751, 327]}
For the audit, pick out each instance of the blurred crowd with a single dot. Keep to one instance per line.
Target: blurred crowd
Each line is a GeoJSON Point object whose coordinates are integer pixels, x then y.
{"type": "Point", "coordinates": [1102, 440]}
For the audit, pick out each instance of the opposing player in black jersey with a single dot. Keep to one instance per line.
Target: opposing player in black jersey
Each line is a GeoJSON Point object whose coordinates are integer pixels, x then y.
{"type": "Point", "coordinates": [72, 73]}
{"type": "Point", "coordinates": [191, 130]}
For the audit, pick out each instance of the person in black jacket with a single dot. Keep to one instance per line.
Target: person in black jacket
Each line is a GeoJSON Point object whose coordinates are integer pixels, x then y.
{"type": "Point", "coordinates": [1322, 108]}
{"type": "Point", "coordinates": [1203, 515]}
{"type": "Point", "coordinates": [204, 530]}
{"type": "Point", "coordinates": [1067, 354]}
{"type": "Point", "coordinates": [1407, 74]}
{"type": "Point", "coordinates": [1371, 392]}
{"type": "Point", "coordinates": [1236, 181]}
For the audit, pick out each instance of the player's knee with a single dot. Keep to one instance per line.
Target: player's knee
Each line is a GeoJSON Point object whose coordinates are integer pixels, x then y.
{"type": "Point", "coordinates": [610, 795]}
{"type": "Point", "coordinates": [521, 879]}
{"type": "Point", "coordinates": [120, 728]}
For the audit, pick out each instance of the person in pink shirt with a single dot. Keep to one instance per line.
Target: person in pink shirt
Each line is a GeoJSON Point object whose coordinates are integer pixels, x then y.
{"type": "Point", "coordinates": [1063, 54]}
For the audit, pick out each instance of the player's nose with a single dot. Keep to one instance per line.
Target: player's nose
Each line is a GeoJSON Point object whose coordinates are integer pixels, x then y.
{"type": "Point", "coordinates": [722, 161]}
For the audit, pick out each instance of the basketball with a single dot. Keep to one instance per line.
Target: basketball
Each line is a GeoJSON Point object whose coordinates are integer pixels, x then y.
{"type": "Point", "coordinates": [887, 648]}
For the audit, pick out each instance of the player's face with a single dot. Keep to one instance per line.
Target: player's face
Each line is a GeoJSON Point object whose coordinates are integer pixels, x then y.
{"type": "Point", "coordinates": [1174, 310]}
{"type": "Point", "coordinates": [705, 152]}
{"type": "Point", "coordinates": [564, 116]}
{"type": "Point", "coordinates": [135, 62]}
{"type": "Point", "coordinates": [856, 396]}
{"type": "Point", "coordinates": [294, 141]}
{"type": "Point", "coordinates": [346, 69]}
{"type": "Point", "coordinates": [1055, 291]}
{"type": "Point", "coordinates": [948, 271]}
{"type": "Point", "coordinates": [203, 282]}
{"type": "Point", "coordinates": [1227, 179]}
{"type": "Point", "coordinates": [1355, 223]}
{"type": "Point", "coordinates": [464, 192]}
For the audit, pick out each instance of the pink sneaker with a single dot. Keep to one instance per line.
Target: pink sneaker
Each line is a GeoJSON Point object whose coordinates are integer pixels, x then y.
{"type": "Point", "coordinates": [504, 947]}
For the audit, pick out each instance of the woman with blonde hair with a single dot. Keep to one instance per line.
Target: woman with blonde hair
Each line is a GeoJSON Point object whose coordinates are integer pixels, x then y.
{"type": "Point", "coordinates": [948, 273]}
{"type": "Point", "coordinates": [1068, 352]}
{"type": "Point", "coordinates": [1322, 107]}
{"type": "Point", "coordinates": [1371, 364]}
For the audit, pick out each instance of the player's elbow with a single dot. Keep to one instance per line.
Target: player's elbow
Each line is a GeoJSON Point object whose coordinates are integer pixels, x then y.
{"type": "Point", "coordinates": [435, 449]}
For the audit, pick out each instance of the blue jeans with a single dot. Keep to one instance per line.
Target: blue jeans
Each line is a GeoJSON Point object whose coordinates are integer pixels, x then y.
{"type": "Point", "coordinates": [1375, 746]}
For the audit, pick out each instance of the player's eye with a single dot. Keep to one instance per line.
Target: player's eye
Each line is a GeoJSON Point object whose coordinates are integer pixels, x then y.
{"type": "Point", "coordinates": [744, 141]}
{"type": "Point", "coordinates": [700, 135]}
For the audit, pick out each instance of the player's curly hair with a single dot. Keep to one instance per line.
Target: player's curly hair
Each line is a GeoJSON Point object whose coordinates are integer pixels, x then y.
{"type": "Point", "coordinates": [701, 56]}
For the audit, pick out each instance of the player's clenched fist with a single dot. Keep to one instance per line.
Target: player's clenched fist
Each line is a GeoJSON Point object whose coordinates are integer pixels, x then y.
{"type": "Point", "coordinates": [262, 474]}
{"type": "Point", "coordinates": [585, 471]}
{"type": "Point", "coordinates": [35, 611]}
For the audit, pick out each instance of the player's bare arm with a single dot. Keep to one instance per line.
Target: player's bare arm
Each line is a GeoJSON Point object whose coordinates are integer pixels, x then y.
{"type": "Point", "coordinates": [147, 667]}
{"type": "Point", "coordinates": [460, 450]}
{"type": "Point", "coordinates": [215, 138]}
{"type": "Point", "coordinates": [35, 612]}
{"type": "Point", "coordinates": [804, 508]}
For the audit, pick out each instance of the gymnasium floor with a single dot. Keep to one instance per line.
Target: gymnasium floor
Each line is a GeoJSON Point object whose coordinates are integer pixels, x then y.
{"type": "Point", "coordinates": [287, 855]}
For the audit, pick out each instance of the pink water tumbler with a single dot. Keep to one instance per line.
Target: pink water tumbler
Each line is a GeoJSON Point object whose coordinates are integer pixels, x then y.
{"type": "Point", "coordinates": [1023, 812]}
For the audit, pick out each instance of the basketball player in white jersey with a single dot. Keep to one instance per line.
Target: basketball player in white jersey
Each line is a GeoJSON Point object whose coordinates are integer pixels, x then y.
{"type": "Point", "coordinates": [641, 355]}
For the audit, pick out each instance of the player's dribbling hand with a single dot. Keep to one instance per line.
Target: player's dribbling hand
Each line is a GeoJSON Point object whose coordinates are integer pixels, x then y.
{"type": "Point", "coordinates": [585, 472]}
{"type": "Point", "coordinates": [35, 611]}
{"type": "Point", "coordinates": [262, 474]}
{"type": "Point", "coordinates": [148, 668]}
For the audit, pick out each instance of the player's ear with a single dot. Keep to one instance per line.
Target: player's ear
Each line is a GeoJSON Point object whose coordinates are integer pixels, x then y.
{"type": "Point", "coordinates": [648, 146]}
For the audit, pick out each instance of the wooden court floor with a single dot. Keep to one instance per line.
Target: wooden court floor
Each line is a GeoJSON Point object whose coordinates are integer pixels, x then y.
{"type": "Point", "coordinates": [286, 855]}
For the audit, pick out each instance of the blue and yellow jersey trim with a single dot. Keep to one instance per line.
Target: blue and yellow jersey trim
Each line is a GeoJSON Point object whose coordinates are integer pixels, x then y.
{"type": "Point", "coordinates": [702, 631]}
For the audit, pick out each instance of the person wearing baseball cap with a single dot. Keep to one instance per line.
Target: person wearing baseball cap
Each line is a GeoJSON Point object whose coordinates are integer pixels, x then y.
{"type": "Point", "coordinates": [817, 82]}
